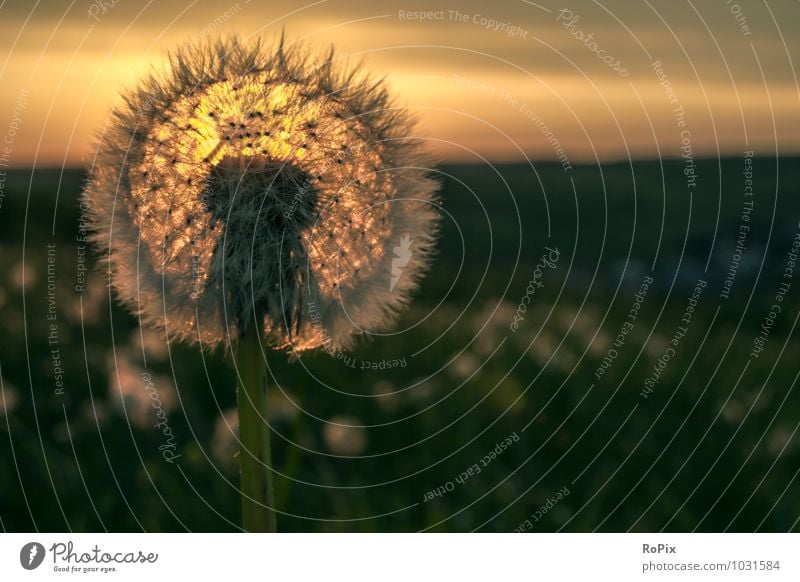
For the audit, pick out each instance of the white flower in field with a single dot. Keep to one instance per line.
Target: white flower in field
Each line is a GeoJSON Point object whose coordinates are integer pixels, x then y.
{"type": "Point", "coordinates": [136, 393]}
{"type": "Point", "coordinates": [20, 274]}
{"type": "Point", "coordinates": [344, 435]}
{"type": "Point", "coordinates": [149, 343]}
{"type": "Point", "coordinates": [9, 398]}
{"type": "Point", "coordinates": [251, 180]}
{"type": "Point", "coordinates": [781, 440]}
{"type": "Point", "coordinates": [464, 366]}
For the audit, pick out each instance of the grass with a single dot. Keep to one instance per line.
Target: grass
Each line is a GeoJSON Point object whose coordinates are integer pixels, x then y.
{"type": "Point", "coordinates": [712, 448]}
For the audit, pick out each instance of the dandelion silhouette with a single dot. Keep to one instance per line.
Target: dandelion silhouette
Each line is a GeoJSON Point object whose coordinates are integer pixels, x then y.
{"type": "Point", "coordinates": [249, 196]}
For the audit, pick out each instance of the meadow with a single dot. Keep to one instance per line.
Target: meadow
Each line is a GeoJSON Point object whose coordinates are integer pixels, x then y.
{"type": "Point", "coordinates": [583, 356]}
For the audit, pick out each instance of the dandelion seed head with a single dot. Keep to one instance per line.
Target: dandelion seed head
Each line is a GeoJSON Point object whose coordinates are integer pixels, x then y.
{"type": "Point", "coordinates": [251, 179]}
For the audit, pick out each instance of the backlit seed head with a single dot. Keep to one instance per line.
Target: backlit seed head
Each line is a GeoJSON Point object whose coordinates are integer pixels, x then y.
{"type": "Point", "coordinates": [261, 180]}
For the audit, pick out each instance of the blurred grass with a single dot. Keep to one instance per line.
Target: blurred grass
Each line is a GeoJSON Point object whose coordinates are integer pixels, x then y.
{"type": "Point", "coordinates": [711, 449]}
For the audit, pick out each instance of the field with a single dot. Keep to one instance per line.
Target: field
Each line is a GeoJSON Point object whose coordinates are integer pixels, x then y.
{"type": "Point", "coordinates": [580, 358]}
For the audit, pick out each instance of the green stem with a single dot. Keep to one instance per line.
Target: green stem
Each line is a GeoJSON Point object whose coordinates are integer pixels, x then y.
{"type": "Point", "coordinates": [258, 499]}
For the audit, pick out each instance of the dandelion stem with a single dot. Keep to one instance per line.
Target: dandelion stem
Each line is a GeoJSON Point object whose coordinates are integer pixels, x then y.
{"type": "Point", "coordinates": [258, 500]}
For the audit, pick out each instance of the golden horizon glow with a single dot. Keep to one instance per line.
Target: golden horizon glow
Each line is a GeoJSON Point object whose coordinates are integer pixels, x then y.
{"type": "Point", "coordinates": [478, 93]}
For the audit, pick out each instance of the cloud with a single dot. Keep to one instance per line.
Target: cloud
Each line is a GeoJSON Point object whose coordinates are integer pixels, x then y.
{"type": "Point", "coordinates": [75, 66]}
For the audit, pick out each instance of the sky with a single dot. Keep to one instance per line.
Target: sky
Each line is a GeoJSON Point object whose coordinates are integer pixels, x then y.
{"type": "Point", "coordinates": [575, 80]}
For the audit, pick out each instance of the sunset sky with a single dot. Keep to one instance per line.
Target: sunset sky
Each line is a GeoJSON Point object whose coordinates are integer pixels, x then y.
{"type": "Point", "coordinates": [494, 80]}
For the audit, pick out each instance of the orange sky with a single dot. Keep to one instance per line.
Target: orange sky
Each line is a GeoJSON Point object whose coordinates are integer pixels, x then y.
{"type": "Point", "coordinates": [488, 80]}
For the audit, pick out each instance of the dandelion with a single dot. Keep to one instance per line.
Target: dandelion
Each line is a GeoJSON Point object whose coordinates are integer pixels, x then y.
{"type": "Point", "coordinates": [252, 196]}
{"type": "Point", "coordinates": [150, 344]}
{"type": "Point", "coordinates": [19, 277]}
{"type": "Point", "coordinates": [464, 366]}
{"type": "Point", "coordinates": [139, 401]}
{"type": "Point", "coordinates": [345, 436]}
{"type": "Point", "coordinates": [9, 397]}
